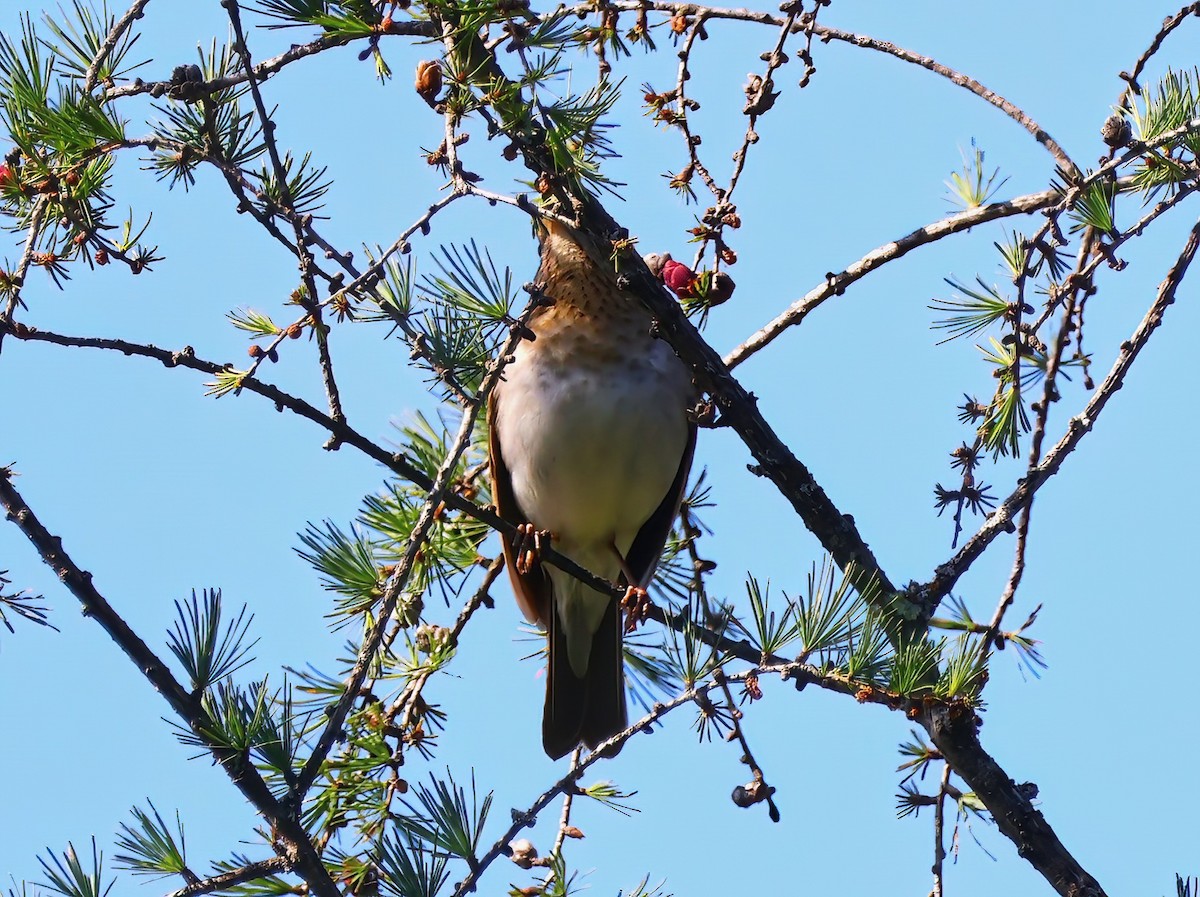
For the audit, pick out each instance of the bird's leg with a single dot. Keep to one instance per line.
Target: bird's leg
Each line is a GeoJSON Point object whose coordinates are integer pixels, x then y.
{"type": "Point", "coordinates": [636, 604]}
{"type": "Point", "coordinates": [527, 547]}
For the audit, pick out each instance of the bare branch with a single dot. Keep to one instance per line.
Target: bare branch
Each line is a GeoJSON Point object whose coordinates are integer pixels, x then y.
{"type": "Point", "coordinates": [227, 880]}
{"type": "Point", "coordinates": [1170, 23]}
{"type": "Point", "coordinates": [1011, 110]}
{"type": "Point", "coordinates": [835, 284]}
{"type": "Point", "coordinates": [132, 14]}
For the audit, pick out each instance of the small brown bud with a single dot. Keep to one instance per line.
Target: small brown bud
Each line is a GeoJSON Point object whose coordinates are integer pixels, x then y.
{"type": "Point", "coordinates": [255, 351]}
{"type": "Point", "coordinates": [294, 331]}
{"type": "Point", "coordinates": [753, 688]}
{"type": "Point", "coordinates": [429, 80]}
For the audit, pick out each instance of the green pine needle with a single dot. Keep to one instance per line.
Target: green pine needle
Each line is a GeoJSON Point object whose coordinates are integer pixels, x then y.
{"type": "Point", "coordinates": [228, 381]}
{"type": "Point", "coordinates": [914, 667]}
{"type": "Point", "coordinates": [971, 187]}
{"type": "Point", "coordinates": [207, 651]}
{"type": "Point", "coordinates": [235, 720]}
{"type": "Point", "coordinates": [347, 564]}
{"type": "Point", "coordinates": [868, 651]}
{"type": "Point", "coordinates": [67, 874]}
{"type": "Point", "coordinates": [972, 312]}
{"type": "Point", "coordinates": [965, 671]}
{"type": "Point", "coordinates": [771, 634]}
{"type": "Point", "coordinates": [152, 848]}
{"type": "Point", "coordinates": [80, 37]}
{"type": "Point", "coordinates": [470, 282]}
{"type": "Point", "coordinates": [254, 322]}
{"type": "Point", "coordinates": [306, 186]}
{"type": "Point", "coordinates": [444, 820]}
{"type": "Point", "coordinates": [828, 617]}
{"type": "Point", "coordinates": [22, 604]}
{"type": "Point", "coordinates": [607, 794]}
{"type": "Point", "coordinates": [337, 19]}
{"type": "Point", "coordinates": [408, 868]}
{"type": "Point", "coordinates": [1096, 208]}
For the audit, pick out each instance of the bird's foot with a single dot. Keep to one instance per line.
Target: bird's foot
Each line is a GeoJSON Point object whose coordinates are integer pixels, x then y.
{"type": "Point", "coordinates": [636, 605]}
{"type": "Point", "coordinates": [527, 547]}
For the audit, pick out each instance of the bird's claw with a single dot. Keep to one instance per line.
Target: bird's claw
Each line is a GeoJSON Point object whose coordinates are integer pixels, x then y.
{"type": "Point", "coordinates": [527, 547]}
{"type": "Point", "coordinates": [636, 605]}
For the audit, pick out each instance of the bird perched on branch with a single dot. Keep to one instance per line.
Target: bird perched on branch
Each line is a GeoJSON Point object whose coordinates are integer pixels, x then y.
{"type": "Point", "coordinates": [590, 441]}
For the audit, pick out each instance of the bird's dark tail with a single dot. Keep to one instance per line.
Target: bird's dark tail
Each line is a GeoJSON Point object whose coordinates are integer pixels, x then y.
{"type": "Point", "coordinates": [590, 709]}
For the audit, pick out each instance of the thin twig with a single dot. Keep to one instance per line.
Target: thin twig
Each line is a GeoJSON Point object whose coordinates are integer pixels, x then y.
{"type": "Point", "coordinates": [564, 819]}
{"type": "Point", "coordinates": [1076, 284]}
{"type": "Point", "coordinates": [939, 832]}
{"type": "Point", "coordinates": [227, 880]}
{"type": "Point", "coordinates": [132, 14]}
{"type": "Point", "coordinates": [309, 302]}
{"type": "Point", "coordinates": [775, 58]}
{"type": "Point", "coordinates": [835, 284]}
{"type": "Point", "coordinates": [1131, 77]}
{"type": "Point", "coordinates": [18, 277]}
{"type": "Point", "coordinates": [967, 83]}
{"type": "Point", "coordinates": [762, 792]}
{"type": "Point", "coordinates": [1000, 520]}
{"type": "Point", "coordinates": [267, 67]}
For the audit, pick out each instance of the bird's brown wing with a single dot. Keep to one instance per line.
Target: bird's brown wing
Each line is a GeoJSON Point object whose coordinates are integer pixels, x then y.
{"type": "Point", "coordinates": [647, 547]}
{"type": "Point", "coordinates": [532, 589]}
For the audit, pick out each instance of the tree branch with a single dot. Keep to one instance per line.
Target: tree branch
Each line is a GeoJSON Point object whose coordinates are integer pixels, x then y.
{"type": "Point", "coordinates": [132, 14]}
{"type": "Point", "coordinates": [835, 284]}
{"type": "Point", "coordinates": [227, 880]}
{"type": "Point", "coordinates": [953, 732]}
{"type": "Point", "coordinates": [291, 840]}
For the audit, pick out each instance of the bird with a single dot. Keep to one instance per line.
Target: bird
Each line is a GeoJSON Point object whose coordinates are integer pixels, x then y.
{"type": "Point", "coordinates": [590, 440]}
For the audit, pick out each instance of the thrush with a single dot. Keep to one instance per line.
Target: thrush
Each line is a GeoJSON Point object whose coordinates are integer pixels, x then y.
{"type": "Point", "coordinates": [589, 440]}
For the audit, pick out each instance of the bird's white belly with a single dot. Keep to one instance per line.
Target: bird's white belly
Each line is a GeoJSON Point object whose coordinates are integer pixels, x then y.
{"type": "Point", "coordinates": [595, 455]}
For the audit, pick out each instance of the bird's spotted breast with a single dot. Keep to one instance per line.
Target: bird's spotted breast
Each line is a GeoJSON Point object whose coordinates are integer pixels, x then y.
{"type": "Point", "coordinates": [598, 451]}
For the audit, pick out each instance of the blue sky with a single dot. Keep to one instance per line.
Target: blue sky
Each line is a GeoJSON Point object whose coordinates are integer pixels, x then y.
{"type": "Point", "coordinates": [159, 490]}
